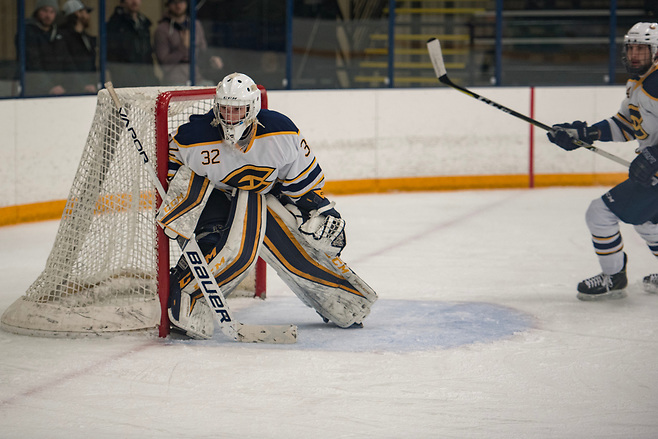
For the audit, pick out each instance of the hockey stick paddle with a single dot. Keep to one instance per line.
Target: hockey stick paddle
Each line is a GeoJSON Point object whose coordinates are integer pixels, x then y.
{"type": "Point", "coordinates": [434, 49]}
{"type": "Point", "coordinates": [199, 268]}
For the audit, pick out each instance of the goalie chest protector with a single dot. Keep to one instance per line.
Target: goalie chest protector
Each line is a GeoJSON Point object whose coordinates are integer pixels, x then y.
{"type": "Point", "coordinates": [277, 152]}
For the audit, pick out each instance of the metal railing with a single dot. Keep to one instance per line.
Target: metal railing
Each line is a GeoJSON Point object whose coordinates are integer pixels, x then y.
{"type": "Point", "coordinates": [377, 43]}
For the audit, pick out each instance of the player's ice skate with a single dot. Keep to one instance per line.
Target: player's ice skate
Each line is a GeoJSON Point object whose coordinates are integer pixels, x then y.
{"type": "Point", "coordinates": [650, 283]}
{"type": "Point", "coordinates": [604, 286]}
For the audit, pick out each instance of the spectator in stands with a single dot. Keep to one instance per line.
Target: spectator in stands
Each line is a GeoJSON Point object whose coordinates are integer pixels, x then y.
{"type": "Point", "coordinates": [46, 54]}
{"type": "Point", "coordinates": [129, 49]}
{"type": "Point", "coordinates": [81, 46]}
{"type": "Point", "coordinates": [172, 46]}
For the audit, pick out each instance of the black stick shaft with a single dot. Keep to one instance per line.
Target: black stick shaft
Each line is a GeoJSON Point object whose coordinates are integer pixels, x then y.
{"type": "Point", "coordinates": [434, 49]}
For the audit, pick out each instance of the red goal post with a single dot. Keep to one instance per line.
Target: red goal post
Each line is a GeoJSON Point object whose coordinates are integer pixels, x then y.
{"type": "Point", "coordinates": [162, 131]}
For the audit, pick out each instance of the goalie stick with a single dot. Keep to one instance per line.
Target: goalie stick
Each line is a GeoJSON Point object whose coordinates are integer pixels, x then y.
{"type": "Point", "coordinates": [199, 268]}
{"type": "Point", "coordinates": [434, 49]}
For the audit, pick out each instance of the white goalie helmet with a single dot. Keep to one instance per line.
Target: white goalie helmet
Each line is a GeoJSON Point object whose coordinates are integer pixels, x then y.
{"type": "Point", "coordinates": [237, 103]}
{"type": "Point", "coordinates": [641, 33]}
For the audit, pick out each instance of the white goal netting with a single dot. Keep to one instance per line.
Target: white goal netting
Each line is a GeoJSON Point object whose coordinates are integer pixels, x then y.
{"type": "Point", "coordinates": [108, 265]}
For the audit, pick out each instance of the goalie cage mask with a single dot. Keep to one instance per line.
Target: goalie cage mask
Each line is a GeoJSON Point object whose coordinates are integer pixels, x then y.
{"type": "Point", "coordinates": [237, 103]}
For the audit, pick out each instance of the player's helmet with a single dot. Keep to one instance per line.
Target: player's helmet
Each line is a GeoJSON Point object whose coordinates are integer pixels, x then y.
{"type": "Point", "coordinates": [237, 103]}
{"type": "Point", "coordinates": [641, 33]}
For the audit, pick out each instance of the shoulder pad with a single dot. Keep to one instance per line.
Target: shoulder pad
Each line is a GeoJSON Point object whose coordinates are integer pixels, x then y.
{"type": "Point", "coordinates": [274, 122]}
{"type": "Point", "coordinates": [198, 130]}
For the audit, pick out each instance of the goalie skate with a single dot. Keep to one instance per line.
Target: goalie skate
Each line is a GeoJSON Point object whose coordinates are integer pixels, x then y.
{"type": "Point", "coordinates": [190, 314]}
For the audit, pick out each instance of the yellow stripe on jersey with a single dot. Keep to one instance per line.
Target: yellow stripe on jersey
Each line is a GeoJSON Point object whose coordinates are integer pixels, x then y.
{"type": "Point", "coordinates": [277, 133]}
{"type": "Point", "coordinates": [625, 122]}
{"type": "Point", "coordinates": [315, 187]}
{"type": "Point", "coordinates": [304, 172]}
{"type": "Point", "coordinates": [173, 158]}
{"type": "Point", "coordinates": [624, 119]}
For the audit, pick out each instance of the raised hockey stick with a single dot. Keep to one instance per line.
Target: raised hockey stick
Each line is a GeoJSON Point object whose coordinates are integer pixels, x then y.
{"type": "Point", "coordinates": [199, 268]}
{"type": "Point", "coordinates": [434, 49]}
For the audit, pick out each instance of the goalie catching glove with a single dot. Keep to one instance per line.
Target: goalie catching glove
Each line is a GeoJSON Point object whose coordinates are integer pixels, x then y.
{"type": "Point", "coordinates": [325, 232]}
{"type": "Point", "coordinates": [564, 134]}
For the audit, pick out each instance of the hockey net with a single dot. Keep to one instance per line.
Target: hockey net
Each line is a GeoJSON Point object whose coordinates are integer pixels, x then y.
{"type": "Point", "coordinates": [108, 270]}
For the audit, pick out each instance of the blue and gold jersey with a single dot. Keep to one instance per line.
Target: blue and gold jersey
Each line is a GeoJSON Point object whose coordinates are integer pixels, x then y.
{"type": "Point", "coordinates": [638, 116]}
{"type": "Point", "coordinates": [277, 156]}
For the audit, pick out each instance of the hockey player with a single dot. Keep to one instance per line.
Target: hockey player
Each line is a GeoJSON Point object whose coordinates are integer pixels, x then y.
{"type": "Point", "coordinates": [265, 199]}
{"type": "Point", "coordinates": [634, 201]}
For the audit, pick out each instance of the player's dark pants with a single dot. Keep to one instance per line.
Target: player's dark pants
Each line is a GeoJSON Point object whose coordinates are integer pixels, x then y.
{"type": "Point", "coordinates": [633, 203]}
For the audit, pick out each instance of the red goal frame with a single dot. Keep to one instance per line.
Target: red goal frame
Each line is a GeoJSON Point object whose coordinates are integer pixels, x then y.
{"type": "Point", "coordinates": [162, 150]}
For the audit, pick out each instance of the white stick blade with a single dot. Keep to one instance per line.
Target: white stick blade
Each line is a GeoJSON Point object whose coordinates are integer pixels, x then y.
{"type": "Point", "coordinates": [275, 334]}
{"type": "Point", "coordinates": [434, 49]}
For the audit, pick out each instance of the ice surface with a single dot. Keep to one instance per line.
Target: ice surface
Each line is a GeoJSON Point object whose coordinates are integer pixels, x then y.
{"type": "Point", "coordinates": [477, 334]}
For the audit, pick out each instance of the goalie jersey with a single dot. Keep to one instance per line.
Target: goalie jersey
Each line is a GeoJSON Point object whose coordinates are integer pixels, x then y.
{"type": "Point", "coordinates": [638, 116]}
{"type": "Point", "coordinates": [277, 157]}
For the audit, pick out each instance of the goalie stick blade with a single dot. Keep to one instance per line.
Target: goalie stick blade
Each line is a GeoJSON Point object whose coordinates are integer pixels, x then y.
{"type": "Point", "coordinates": [276, 334]}
{"type": "Point", "coordinates": [434, 49]}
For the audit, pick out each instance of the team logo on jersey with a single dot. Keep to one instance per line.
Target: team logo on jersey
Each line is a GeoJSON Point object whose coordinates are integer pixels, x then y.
{"type": "Point", "coordinates": [249, 178]}
{"type": "Point", "coordinates": [636, 119]}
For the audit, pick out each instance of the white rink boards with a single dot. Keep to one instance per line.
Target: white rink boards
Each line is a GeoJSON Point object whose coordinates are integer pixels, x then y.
{"type": "Point", "coordinates": [356, 134]}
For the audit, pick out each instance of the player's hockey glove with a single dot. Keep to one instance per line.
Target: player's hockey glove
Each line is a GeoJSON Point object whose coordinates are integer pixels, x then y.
{"type": "Point", "coordinates": [323, 228]}
{"type": "Point", "coordinates": [565, 133]}
{"type": "Point", "coordinates": [644, 167]}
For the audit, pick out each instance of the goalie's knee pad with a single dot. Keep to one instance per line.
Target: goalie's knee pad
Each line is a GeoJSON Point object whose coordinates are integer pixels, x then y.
{"type": "Point", "coordinates": [322, 282]}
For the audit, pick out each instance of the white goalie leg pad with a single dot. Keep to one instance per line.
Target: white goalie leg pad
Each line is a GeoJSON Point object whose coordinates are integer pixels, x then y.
{"type": "Point", "coordinates": [178, 215]}
{"type": "Point", "coordinates": [240, 252]}
{"type": "Point", "coordinates": [229, 261]}
{"type": "Point", "coordinates": [193, 316]}
{"type": "Point", "coordinates": [321, 281]}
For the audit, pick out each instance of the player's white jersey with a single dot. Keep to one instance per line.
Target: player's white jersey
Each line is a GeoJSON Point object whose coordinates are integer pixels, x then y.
{"type": "Point", "coordinates": [638, 115]}
{"type": "Point", "coordinates": [278, 153]}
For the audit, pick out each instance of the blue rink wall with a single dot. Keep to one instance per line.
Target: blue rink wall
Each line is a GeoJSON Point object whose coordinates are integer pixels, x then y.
{"type": "Point", "coordinates": [366, 141]}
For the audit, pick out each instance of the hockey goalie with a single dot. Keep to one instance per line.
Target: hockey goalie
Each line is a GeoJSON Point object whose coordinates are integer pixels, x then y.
{"type": "Point", "coordinates": [244, 183]}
